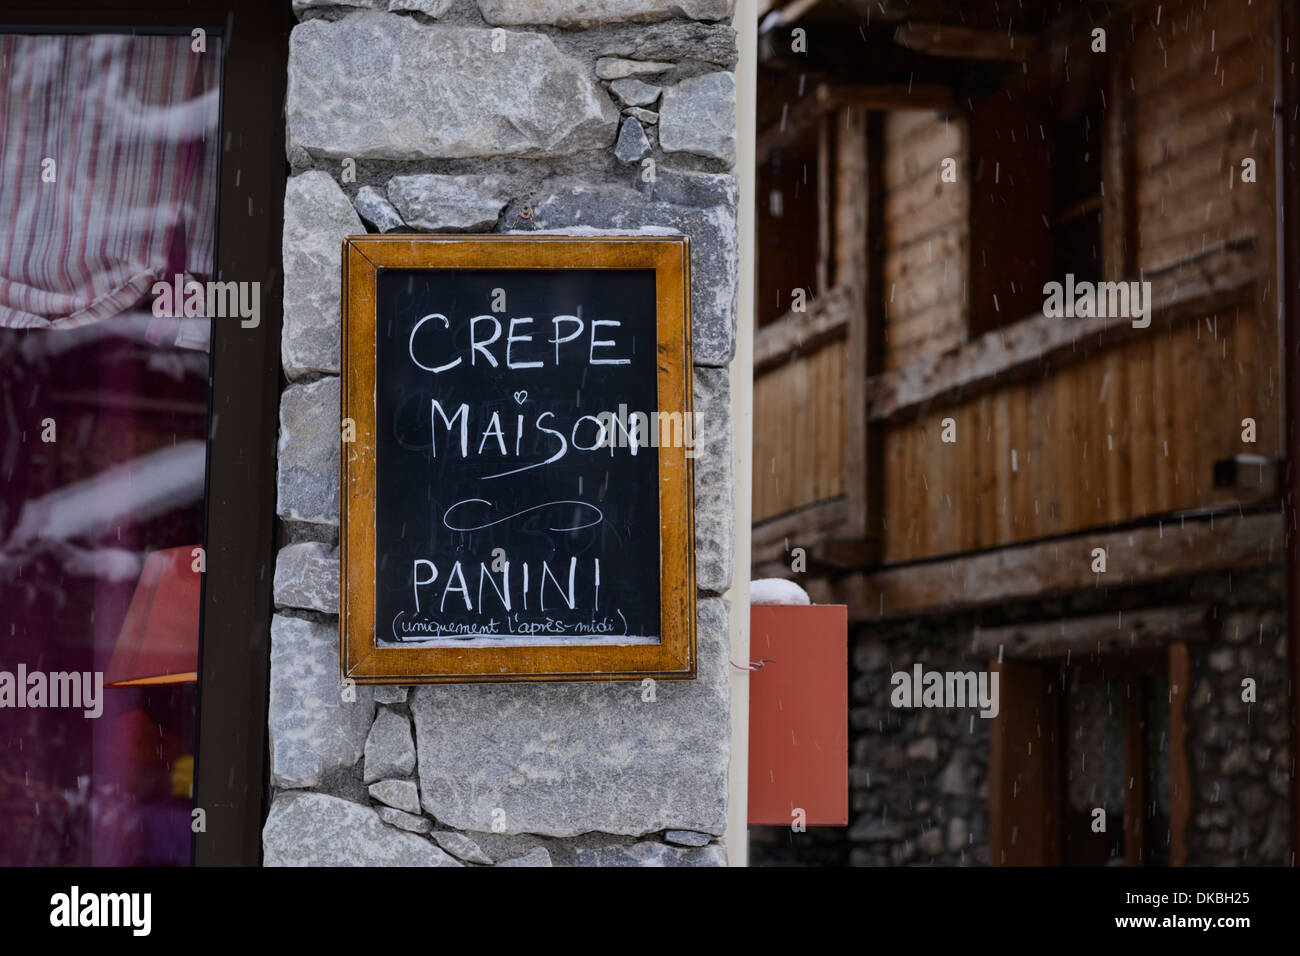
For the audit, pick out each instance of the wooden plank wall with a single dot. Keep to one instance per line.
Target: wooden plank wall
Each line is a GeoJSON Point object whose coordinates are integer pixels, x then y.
{"type": "Point", "coordinates": [1133, 430]}
{"type": "Point", "coordinates": [926, 234]}
{"type": "Point", "coordinates": [1203, 80]}
{"type": "Point", "coordinates": [1121, 434]}
{"type": "Point", "coordinates": [799, 433]}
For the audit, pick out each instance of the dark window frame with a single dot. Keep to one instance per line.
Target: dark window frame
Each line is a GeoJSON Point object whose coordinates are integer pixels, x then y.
{"type": "Point", "coordinates": [1027, 749]}
{"type": "Point", "coordinates": [1014, 206]}
{"type": "Point", "coordinates": [231, 780]}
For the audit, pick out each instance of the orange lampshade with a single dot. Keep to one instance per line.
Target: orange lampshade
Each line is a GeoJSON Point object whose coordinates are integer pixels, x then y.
{"type": "Point", "coordinates": [159, 642]}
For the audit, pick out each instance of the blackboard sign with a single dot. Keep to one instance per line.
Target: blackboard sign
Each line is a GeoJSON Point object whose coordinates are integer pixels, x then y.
{"type": "Point", "coordinates": [504, 511]}
{"type": "Point", "coordinates": [517, 496]}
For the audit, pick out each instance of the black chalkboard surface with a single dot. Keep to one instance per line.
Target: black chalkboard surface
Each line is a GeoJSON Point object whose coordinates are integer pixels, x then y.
{"type": "Point", "coordinates": [507, 510]}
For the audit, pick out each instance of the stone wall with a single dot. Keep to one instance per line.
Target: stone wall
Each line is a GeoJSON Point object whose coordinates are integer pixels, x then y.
{"type": "Point", "coordinates": [1241, 752]}
{"type": "Point", "coordinates": [458, 116]}
{"type": "Point", "coordinates": [919, 778]}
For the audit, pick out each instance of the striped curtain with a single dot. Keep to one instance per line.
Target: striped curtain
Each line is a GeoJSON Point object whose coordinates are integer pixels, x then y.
{"type": "Point", "coordinates": [107, 174]}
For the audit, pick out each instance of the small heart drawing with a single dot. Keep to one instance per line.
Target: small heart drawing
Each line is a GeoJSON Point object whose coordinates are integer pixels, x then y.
{"type": "Point", "coordinates": [521, 397]}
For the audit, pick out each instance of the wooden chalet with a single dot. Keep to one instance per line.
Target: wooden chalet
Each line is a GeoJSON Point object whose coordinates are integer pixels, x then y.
{"type": "Point", "coordinates": [934, 451]}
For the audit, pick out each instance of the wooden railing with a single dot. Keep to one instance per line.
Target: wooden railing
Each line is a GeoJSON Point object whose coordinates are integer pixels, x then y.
{"type": "Point", "coordinates": [1213, 281]}
{"type": "Point", "coordinates": [801, 431]}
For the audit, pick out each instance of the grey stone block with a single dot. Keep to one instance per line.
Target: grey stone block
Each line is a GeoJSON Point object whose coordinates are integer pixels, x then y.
{"type": "Point", "coordinates": [714, 488]}
{"type": "Point", "coordinates": [688, 838]}
{"type": "Point", "coordinates": [389, 694]}
{"type": "Point", "coordinates": [375, 209]}
{"type": "Point", "coordinates": [307, 481]}
{"type": "Point", "coordinates": [566, 759]}
{"type": "Point", "coordinates": [430, 8]}
{"type": "Point", "coordinates": [534, 857]}
{"type": "Point", "coordinates": [315, 829]}
{"type": "Point", "coordinates": [617, 68]}
{"type": "Point", "coordinates": [442, 203]}
{"type": "Point", "coordinates": [646, 117]}
{"type": "Point", "coordinates": [313, 730]}
{"type": "Point", "coordinates": [698, 116]}
{"type": "Point", "coordinates": [650, 853]}
{"type": "Point", "coordinates": [390, 751]}
{"type": "Point", "coordinates": [683, 188]}
{"type": "Point", "coordinates": [410, 822]}
{"type": "Point", "coordinates": [374, 85]}
{"type": "Point", "coordinates": [300, 6]}
{"type": "Point", "coordinates": [599, 849]}
{"type": "Point", "coordinates": [401, 794]}
{"type": "Point", "coordinates": [307, 576]}
{"type": "Point", "coordinates": [632, 145]}
{"type": "Point", "coordinates": [632, 92]}
{"type": "Point", "coordinates": [589, 13]}
{"type": "Point", "coordinates": [674, 40]}
{"type": "Point", "coordinates": [714, 249]}
{"type": "Point", "coordinates": [316, 218]}
{"type": "Point", "coordinates": [461, 847]}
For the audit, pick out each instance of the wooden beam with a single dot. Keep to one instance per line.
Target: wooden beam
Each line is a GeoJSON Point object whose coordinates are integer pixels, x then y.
{"type": "Point", "coordinates": [1024, 774]}
{"type": "Point", "coordinates": [859, 182]}
{"type": "Point", "coordinates": [1122, 631]}
{"type": "Point", "coordinates": [1118, 178]}
{"type": "Point", "coordinates": [1216, 280]}
{"type": "Point", "coordinates": [794, 123]}
{"type": "Point", "coordinates": [825, 98]}
{"type": "Point", "coordinates": [881, 97]}
{"type": "Point", "coordinates": [1137, 556]}
{"type": "Point", "coordinates": [968, 43]}
{"type": "Point", "coordinates": [804, 528]}
{"type": "Point", "coordinates": [800, 333]}
{"type": "Point", "coordinates": [823, 532]}
{"type": "Point", "coordinates": [790, 12]}
{"type": "Point", "coordinates": [824, 212]}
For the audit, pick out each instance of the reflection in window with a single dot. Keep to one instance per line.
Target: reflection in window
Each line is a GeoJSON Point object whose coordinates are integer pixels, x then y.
{"type": "Point", "coordinates": [108, 160]}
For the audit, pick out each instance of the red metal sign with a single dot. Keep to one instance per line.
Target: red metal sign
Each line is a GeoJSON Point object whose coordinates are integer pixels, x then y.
{"type": "Point", "coordinates": [798, 715]}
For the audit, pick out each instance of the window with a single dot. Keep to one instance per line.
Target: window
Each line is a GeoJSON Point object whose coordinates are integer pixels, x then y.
{"type": "Point", "coordinates": [101, 515]}
{"type": "Point", "coordinates": [1076, 738]}
{"type": "Point", "coordinates": [136, 446]}
{"type": "Point", "coordinates": [1076, 194]}
{"type": "Point", "coordinates": [1035, 196]}
{"type": "Point", "coordinates": [1116, 758]}
{"type": "Point", "coordinates": [788, 224]}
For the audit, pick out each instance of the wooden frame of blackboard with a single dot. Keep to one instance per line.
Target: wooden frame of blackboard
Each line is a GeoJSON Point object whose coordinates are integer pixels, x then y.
{"type": "Point", "coordinates": [361, 658]}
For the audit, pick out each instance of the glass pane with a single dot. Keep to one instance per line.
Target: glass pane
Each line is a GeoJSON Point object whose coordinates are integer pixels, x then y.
{"type": "Point", "coordinates": [1094, 769]}
{"type": "Point", "coordinates": [108, 168]}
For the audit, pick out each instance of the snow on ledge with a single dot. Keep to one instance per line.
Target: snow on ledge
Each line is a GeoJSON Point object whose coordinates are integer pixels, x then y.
{"type": "Point", "coordinates": [777, 591]}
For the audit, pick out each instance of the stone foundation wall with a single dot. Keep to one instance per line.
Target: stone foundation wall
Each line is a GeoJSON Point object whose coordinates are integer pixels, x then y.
{"type": "Point", "coordinates": [1241, 752]}
{"type": "Point", "coordinates": [461, 116]}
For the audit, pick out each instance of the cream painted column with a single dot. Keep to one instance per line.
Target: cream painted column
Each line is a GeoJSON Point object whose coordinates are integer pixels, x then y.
{"type": "Point", "coordinates": [742, 417]}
